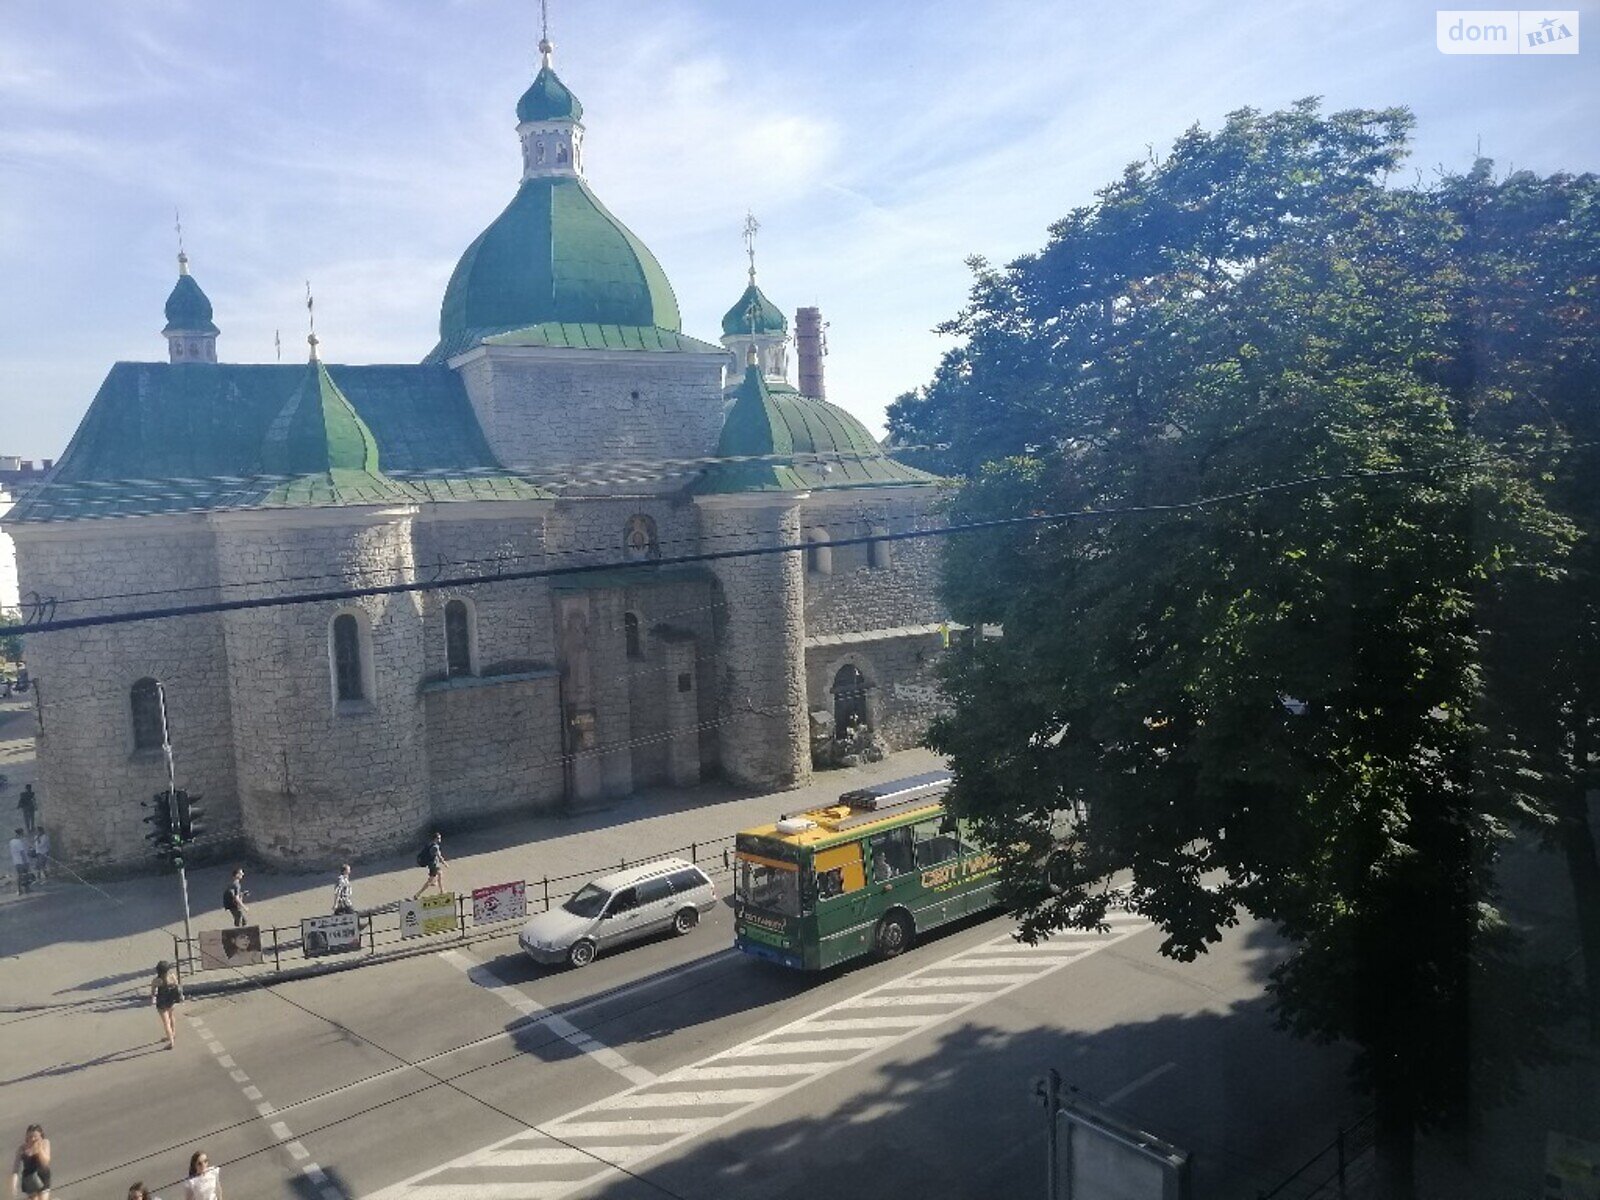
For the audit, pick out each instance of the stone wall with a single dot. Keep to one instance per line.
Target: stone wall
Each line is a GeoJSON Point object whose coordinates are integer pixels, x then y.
{"type": "Point", "coordinates": [544, 408]}
{"type": "Point", "coordinates": [91, 779]}
{"type": "Point", "coordinates": [854, 595]}
{"type": "Point", "coordinates": [902, 691]}
{"type": "Point", "coordinates": [320, 779]}
{"type": "Point", "coordinates": [494, 746]}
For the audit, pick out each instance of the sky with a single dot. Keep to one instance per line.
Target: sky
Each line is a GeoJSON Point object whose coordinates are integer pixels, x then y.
{"type": "Point", "coordinates": [363, 144]}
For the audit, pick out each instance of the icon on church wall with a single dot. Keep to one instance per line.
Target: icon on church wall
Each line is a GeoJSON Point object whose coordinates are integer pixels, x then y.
{"type": "Point", "coordinates": [639, 539]}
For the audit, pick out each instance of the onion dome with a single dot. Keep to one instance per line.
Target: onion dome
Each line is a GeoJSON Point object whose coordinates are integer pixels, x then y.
{"type": "Point", "coordinates": [188, 308]}
{"type": "Point", "coordinates": [754, 307]}
{"type": "Point", "coordinates": [548, 99]}
{"type": "Point", "coordinates": [780, 441]}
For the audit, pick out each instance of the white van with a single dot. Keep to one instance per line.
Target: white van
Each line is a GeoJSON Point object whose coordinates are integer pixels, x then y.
{"type": "Point", "coordinates": [621, 907]}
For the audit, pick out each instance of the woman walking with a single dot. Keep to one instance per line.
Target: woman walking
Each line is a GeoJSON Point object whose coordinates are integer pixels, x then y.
{"type": "Point", "coordinates": [30, 1170]}
{"type": "Point", "coordinates": [165, 994]}
{"type": "Point", "coordinates": [205, 1181]}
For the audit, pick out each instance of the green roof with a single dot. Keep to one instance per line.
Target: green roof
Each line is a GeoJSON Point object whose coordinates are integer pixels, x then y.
{"type": "Point", "coordinates": [548, 99]}
{"type": "Point", "coordinates": [588, 336]}
{"type": "Point", "coordinates": [554, 256]}
{"type": "Point", "coordinates": [188, 309]}
{"type": "Point", "coordinates": [180, 437]}
{"type": "Point", "coordinates": [769, 317]}
{"type": "Point", "coordinates": [781, 441]}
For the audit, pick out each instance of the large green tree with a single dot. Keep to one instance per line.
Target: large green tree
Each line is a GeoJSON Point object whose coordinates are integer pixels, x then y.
{"type": "Point", "coordinates": [1260, 666]}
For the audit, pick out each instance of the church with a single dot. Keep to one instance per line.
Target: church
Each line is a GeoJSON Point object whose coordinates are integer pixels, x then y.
{"type": "Point", "coordinates": [539, 479]}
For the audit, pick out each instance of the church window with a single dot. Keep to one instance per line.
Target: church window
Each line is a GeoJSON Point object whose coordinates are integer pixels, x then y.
{"type": "Point", "coordinates": [145, 702]}
{"type": "Point", "coordinates": [349, 665]}
{"type": "Point", "coordinates": [819, 555]}
{"type": "Point", "coordinates": [458, 638]}
{"type": "Point", "coordinates": [561, 152]}
{"type": "Point", "coordinates": [639, 540]}
{"type": "Point", "coordinates": [849, 701]}
{"type": "Point", "coordinates": [878, 552]}
{"type": "Point", "coordinates": [630, 633]}
{"type": "Point", "coordinates": [538, 151]}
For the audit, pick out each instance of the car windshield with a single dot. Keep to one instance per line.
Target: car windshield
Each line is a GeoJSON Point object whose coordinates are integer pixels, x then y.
{"type": "Point", "coordinates": [587, 901]}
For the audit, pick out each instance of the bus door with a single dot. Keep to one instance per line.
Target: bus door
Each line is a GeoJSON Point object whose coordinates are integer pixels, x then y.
{"type": "Point", "coordinates": [845, 912]}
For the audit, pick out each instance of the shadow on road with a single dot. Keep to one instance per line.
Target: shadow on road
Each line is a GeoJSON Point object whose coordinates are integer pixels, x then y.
{"type": "Point", "coordinates": [127, 1054]}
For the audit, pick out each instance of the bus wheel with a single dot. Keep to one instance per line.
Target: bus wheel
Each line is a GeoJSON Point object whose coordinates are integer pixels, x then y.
{"type": "Point", "coordinates": [581, 954]}
{"type": "Point", "coordinates": [894, 935]}
{"type": "Point", "coordinates": [686, 920]}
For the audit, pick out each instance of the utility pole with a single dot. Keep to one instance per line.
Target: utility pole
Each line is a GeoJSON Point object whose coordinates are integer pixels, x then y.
{"type": "Point", "coordinates": [172, 793]}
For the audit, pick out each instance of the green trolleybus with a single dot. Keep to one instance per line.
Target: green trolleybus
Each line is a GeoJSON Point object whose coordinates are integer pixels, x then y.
{"type": "Point", "coordinates": [862, 876]}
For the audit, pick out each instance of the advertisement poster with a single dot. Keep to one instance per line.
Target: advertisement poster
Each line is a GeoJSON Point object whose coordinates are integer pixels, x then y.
{"type": "Point", "coordinates": [238, 947]}
{"type": "Point", "coordinates": [429, 915]}
{"type": "Point", "coordinates": [338, 934]}
{"type": "Point", "coordinates": [502, 902]}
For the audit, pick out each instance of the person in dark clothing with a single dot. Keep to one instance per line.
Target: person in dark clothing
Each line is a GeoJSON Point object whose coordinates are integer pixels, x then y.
{"type": "Point", "coordinates": [30, 1170]}
{"type": "Point", "coordinates": [166, 993]}
{"type": "Point", "coordinates": [432, 857]}
{"type": "Point", "coordinates": [28, 806]}
{"type": "Point", "coordinates": [234, 896]}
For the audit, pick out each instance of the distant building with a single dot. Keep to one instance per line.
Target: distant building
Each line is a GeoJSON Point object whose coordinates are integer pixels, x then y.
{"type": "Point", "coordinates": [563, 419]}
{"type": "Point", "coordinates": [17, 475]}
{"type": "Point", "coordinates": [8, 561]}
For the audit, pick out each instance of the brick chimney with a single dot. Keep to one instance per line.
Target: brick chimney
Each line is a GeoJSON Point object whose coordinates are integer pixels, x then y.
{"type": "Point", "coordinates": [810, 346]}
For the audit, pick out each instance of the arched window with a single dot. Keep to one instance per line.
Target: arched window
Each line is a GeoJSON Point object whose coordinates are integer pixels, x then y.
{"type": "Point", "coordinates": [459, 642]}
{"type": "Point", "coordinates": [819, 555]}
{"type": "Point", "coordinates": [630, 633]}
{"type": "Point", "coordinates": [561, 152]}
{"type": "Point", "coordinates": [878, 552]}
{"type": "Point", "coordinates": [639, 541]}
{"type": "Point", "coordinates": [538, 151]}
{"type": "Point", "coordinates": [144, 700]}
{"type": "Point", "coordinates": [349, 665]}
{"type": "Point", "coordinates": [849, 700]}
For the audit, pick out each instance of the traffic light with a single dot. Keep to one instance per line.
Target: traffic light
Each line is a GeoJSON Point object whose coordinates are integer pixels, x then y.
{"type": "Point", "coordinates": [189, 816]}
{"type": "Point", "coordinates": [160, 821]}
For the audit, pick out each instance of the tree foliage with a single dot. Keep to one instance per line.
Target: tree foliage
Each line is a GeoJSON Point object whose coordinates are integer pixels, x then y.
{"type": "Point", "coordinates": [1274, 701]}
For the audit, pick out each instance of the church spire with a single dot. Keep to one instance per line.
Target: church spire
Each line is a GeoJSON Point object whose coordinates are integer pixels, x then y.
{"type": "Point", "coordinates": [755, 327]}
{"type": "Point", "coordinates": [549, 117]}
{"type": "Point", "coordinates": [191, 335]}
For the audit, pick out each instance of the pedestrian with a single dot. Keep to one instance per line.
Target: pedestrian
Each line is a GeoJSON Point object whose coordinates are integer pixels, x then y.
{"type": "Point", "coordinates": [234, 896]}
{"type": "Point", "coordinates": [138, 1191]}
{"type": "Point", "coordinates": [205, 1181]}
{"type": "Point", "coordinates": [166, 993]}
{"type": "Point", "coordinates": [344, 895]}
{"type": "Point", "coordinates": [30, 1170]}
{"type": "Point", "coordinates": [19, 862]}
{"type": "Point", "coordinates": [41, 854]}
{"type": "Point", "coordinates": [432, 857]}
{"type": "Point", "coordinates": [27, 805]}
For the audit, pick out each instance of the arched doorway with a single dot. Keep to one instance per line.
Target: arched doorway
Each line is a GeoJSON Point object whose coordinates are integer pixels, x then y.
{"type": "Point", "coordinates": [849, 700]}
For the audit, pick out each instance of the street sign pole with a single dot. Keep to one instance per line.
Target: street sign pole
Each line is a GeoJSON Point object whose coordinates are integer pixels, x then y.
{"type": "Point", "coordinates": [172, 791]}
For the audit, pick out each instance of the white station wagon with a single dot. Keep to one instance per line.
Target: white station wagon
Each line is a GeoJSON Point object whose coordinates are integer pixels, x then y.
{"type": "Point", "coordinates": [621, 907]}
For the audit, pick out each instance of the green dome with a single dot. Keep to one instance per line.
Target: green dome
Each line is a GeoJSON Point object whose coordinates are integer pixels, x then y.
{"type": "Point", "coordinates": [547, 99]}
{"type": "Point", "coordinates": [781, 441]}
{"type": "Point", "coordinates": [318, 431]}
{"type": "Point", "coordinates": [554, 255]}
{"type": "Point", "coordinates": [188, 310]}
{"type": "Point", "coordinates": [769, 317]}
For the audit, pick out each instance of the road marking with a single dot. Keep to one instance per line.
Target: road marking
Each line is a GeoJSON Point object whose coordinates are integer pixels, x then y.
{"type": "Point", "coordinates": [538, 1163]}
{"type": "Point", "coordinates": [326, 1188]}
{"type": "Point", "coordinates": [1148, 1077]}
{"type": "Point", "coordinates": [497, 985]}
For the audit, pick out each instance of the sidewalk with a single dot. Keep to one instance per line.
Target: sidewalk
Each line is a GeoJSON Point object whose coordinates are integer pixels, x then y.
{"type": "Point", "coordinates": [74, 943]}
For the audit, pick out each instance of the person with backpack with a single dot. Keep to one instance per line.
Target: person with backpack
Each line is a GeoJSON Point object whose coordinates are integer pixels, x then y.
{"type": "Point", "coordinates": [233, 898]}
{"type": "Point", "coordinates": [432, 857]}
{"type": "Point", "coordinates": [344, 894]}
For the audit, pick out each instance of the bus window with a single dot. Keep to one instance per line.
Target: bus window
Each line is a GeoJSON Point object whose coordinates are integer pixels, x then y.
{"type": "Point", "coordinates": [767, 888]}
{"type": "Point", "coordinates": [891, 853]}
{"type": "Point", "coordinates": [934, 843]}
{"type": "Point", "coordinates": [838, 871]}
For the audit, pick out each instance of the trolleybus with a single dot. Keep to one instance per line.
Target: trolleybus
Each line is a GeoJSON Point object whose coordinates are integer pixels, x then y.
{"type": "Point", "coordinates": [862, 876]}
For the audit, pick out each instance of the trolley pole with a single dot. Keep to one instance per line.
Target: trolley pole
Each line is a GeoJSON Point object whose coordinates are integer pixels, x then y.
{"type": "Point", "coordinates": [172, 791]}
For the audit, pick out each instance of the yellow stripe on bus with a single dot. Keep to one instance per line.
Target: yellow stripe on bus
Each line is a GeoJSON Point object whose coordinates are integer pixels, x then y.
{"type": "Point", "coordinates": [746, 856]}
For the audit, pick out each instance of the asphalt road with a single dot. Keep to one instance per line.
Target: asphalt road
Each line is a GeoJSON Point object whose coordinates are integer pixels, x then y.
{"type": "Point", "coordinates": [474, 1073]}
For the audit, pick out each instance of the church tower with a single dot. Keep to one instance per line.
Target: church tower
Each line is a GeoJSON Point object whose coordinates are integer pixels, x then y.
{"type": "Point", "coordinates": [191, 336]}
{"type": "Point", "coordinates": [756, 325]}
{"type": "Point", "coordinates": [550, 124]}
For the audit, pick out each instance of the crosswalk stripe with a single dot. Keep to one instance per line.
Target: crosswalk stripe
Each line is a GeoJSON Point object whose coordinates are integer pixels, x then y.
{"type": "Point", "coordinates": [915, 1003]}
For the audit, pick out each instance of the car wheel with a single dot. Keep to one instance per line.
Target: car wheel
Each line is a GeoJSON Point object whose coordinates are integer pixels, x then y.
{"type": "Point", "coordinates": [894, 935]}
{"type": "Point", "coordinates": [581, 954]}
{"type": "Point", "coordinates": [686, 920]}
